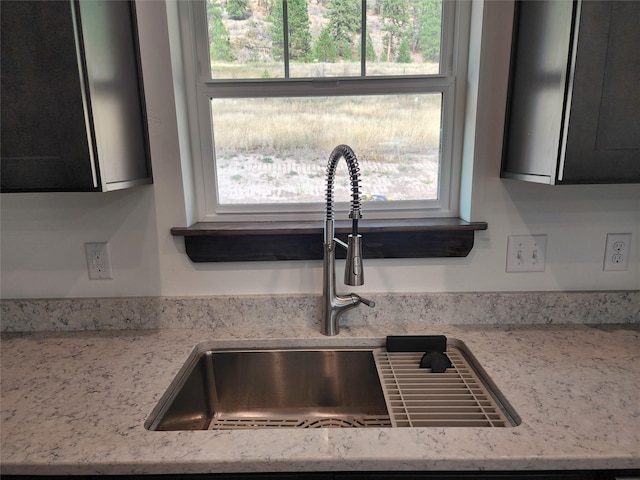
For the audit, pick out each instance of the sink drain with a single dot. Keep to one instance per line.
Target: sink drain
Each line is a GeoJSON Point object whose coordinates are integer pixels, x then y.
{"type": "Point", "coordinates": [349, 423]}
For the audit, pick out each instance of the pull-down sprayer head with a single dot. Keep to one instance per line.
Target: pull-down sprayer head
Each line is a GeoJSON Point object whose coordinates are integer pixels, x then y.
{"type": "Point", "coordinates": [353, 272]}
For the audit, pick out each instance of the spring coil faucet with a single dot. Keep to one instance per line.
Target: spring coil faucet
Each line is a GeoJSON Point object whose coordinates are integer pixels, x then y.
{"type": "Point", "coordinates": [334, 305]}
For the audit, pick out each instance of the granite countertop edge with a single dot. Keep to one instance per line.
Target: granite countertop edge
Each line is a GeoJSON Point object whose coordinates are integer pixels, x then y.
{"type": "Point", "coordinates": [76, 403]}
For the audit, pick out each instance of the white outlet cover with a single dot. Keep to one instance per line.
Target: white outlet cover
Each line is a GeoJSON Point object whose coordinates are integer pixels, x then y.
{"type": "Point", "coordinates": [526, 253]}
{"type": "Point", "coordinates": [98, 261]}
{"type": "Point", "coordinates": [616, 252]}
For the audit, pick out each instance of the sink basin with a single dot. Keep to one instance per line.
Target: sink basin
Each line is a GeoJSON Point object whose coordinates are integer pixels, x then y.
{"type": "Point", "coordinates": [333, 387]}
{"type": "Point", "coordinates": [270, 388]}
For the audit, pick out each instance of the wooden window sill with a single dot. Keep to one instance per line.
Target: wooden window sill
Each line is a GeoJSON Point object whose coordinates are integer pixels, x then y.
{"type": "Point", "coordinates": [264, 241]}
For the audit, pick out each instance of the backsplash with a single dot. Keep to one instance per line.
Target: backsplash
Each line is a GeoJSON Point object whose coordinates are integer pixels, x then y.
{"type": "Point", "coordinates": [482, 308]}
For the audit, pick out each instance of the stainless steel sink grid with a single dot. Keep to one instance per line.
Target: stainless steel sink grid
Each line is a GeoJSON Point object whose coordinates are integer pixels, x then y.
{"type": "Point", "coordinates": [314, 388]}
{"type": "Point", "coordinates": [297, 422]}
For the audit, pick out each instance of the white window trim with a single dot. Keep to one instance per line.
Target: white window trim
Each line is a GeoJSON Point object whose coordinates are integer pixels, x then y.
{"type": "Point", "coordinates": [198, 85]}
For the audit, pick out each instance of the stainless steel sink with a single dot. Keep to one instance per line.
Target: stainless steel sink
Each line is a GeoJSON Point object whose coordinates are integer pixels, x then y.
{"type": "Point", "coordinates": [271, 388]}
{"type": "Point", "coordinates": [338, 387]}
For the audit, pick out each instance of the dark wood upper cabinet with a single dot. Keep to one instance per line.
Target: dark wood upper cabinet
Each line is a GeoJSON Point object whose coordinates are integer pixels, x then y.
{"type": "Point", "coordinates": [573, 114]}
{"type": "Point", "coordinates": [72, 103]}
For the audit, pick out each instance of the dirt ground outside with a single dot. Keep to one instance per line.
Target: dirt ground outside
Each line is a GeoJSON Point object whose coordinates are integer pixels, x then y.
{"type": "Point", "coordinates": [255, 178]}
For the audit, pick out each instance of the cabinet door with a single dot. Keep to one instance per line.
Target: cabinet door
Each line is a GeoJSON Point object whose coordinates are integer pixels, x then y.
{"type": "Point", "coordinates": [45, 142]}
{"type": "Point", "coordinates": [541, 48]}
{"type": "Point", "coordinates": [115, 93]}
{"type": "Point", "coordinates": [603, 138]}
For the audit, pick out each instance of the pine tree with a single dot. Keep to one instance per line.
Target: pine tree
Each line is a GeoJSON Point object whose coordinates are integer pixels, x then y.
{"type": "Point", "coordinates": [325, 49]}
{"type": "Point", "coordinates": [344, 47]}
{"type": "Point", "coordinates": [404, 52]}
{"type": "Point", "coordinates": [220, 45]}
{"type": "Point", "coordinates": [299, 32]}
{"type": "Point", "coordinates": [371, 53]}
{"type": "Point", "coordinates": [345, 20]}
{"type": "Point", "coordinates": [396, 17]}
{"type": "Point", "coordinates": [236, 9]}
{"type": "Point", "coordinates": [276, 30]}
{"type": "Point", "coordinates": [430, 26]}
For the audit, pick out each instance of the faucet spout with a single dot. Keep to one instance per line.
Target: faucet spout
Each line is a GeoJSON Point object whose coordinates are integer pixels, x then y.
{"type": "Point", "coordinates": [334, 305]}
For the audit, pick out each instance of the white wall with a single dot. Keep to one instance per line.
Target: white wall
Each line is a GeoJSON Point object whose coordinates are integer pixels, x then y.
{"type": "Point", "coordinates": [42, 235]}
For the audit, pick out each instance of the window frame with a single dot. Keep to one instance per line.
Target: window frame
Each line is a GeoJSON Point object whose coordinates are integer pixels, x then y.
{"type": "Point", "coordinates": [450, 83]}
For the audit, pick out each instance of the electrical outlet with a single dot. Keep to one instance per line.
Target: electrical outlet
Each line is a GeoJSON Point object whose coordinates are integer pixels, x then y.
{"type": "Point", "coordinates": [616, 252]}
{"type": "Point", "coordinates": [526, 253]}
{"type": "Point", "coordinates": [98, 260]}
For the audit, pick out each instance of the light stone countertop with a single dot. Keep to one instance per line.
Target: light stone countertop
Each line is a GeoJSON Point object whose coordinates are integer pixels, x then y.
{"type": "Point", "coordinates": [76, 403]}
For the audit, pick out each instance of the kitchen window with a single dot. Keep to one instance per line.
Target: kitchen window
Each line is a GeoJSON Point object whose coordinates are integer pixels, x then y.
{"type": "Point", "coordinates": [279, 83]}
{"type": "Point", "coordinates": [274, 85]}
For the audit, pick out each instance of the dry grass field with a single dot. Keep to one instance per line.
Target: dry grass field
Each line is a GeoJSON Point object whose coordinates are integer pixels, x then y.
{"type": "Point", "coordinates": [276, 150]}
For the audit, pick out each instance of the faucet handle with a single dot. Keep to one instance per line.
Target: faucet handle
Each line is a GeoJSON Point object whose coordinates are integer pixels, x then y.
{"type": "Point", "coordinates": [366, 301]}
